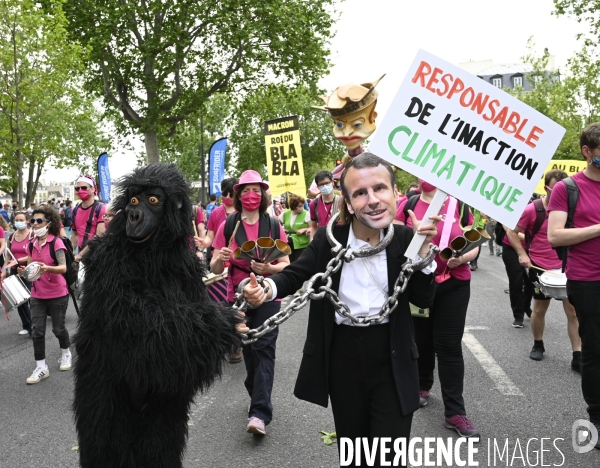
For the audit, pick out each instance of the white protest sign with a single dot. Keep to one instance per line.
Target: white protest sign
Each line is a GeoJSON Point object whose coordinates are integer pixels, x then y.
{"type": "Point", "coordinates": [467, 137]}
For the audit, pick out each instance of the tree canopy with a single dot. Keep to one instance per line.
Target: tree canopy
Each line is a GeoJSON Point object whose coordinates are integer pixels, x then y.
{"type": "Point", "coordinates": [158, 62]}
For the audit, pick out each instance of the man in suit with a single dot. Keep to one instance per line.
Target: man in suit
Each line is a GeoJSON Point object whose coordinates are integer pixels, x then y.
{"type": "Point", "coordinates": [369, 373]}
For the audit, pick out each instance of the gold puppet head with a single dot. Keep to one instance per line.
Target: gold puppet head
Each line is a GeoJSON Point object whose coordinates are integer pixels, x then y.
{"type": "Point", "coordinates": [352, 108]}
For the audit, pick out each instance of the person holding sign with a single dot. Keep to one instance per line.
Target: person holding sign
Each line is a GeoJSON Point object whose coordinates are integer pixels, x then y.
{"type": "Point", "coordinates": [575, 222]}
{"type": "Point", "coordinates": [251, 201]}
{"type": "Point", "coordinates": [537, 255]}
{"type": "Point", "coordinates": [441, 333]}
{"type": "Point", "coordinates": [369, 373]}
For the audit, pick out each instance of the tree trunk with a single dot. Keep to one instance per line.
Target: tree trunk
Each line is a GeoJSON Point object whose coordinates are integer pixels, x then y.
{"type": "Point", "coordinates": [151, 141]}
{"type": "Point", "coordinates": [29, 197]}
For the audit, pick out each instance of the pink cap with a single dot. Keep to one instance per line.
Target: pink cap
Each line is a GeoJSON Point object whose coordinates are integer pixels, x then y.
{"type": "Point", "coordinates": [250, 177]}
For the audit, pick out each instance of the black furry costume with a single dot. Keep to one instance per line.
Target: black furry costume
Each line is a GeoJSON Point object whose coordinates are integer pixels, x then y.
{"type": "Point", "coordinates": [149, 336]}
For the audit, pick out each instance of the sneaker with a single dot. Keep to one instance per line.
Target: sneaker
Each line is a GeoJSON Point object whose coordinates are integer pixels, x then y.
{"type": "Point", "coordinates": [473, 266]}
{"type": "Point", "coordinates": [38, 374]}
{"type": "Point", "coordinates": [518, 323]}
{"type": "Point", "coordinates": [423, 397]}
{"type": "Point", "coordinates": [576, 366]}
{"type": "Point", "coordinates": [236, 356]}
{"type": "Point", "coordinates": [256, 426]}
{"type": "Point", "coordinates": [492, 252]}
{"type": "Point", "coordinates": [24, 332]}
{"type": "Point", "coordinates": [499, 253]}
{"type": "Point", "coordinates": [537, 353]}
{"type": "Point", "coordinates": [462, 425]}
{"type": "Point", "coordinates": [65, 362]}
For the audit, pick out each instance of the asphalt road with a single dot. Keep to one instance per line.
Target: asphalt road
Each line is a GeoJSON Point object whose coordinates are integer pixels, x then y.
{"type": "Point", "coordinates": [512, 400]}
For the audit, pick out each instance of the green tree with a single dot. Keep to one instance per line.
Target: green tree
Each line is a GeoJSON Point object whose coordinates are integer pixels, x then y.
{"type": "Point", "coordinates": [320, 149]}
{"type": "Point", "coordinates": [43, 116]}
{"type": "Point", "coordinates": [158, 62]}
{"type": "Point", "coordinates": [552, 95]}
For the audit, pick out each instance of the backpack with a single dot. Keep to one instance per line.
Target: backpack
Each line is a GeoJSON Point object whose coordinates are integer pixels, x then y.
{"type": "Point", "coordinates": [540, 217]}
{"type": "Point", "coordinates": [464, 214]}
{"type": "Point", "coordinates": [334, 209]}
{"type": "Point", "coordinates": [572, 199]}
{"type": "Point", "coordinates": [499, 233]}
{"type": "Point", "coordinates": [67, 216]}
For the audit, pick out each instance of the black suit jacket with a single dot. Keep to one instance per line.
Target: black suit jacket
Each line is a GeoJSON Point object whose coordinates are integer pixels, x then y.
{"type": "Point", "coordinates": [313, 378]}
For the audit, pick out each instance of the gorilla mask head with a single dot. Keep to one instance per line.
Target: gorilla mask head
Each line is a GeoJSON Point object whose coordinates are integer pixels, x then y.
{"type": "Point", "coordinates": [144, 212]}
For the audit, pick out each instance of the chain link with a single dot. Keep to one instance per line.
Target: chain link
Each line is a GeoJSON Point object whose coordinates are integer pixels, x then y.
{"type": "Point", "coordinates": [341, 255]}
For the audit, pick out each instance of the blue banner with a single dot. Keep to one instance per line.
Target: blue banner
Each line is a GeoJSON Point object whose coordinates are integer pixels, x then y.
{"type": "Point", "coordinates": [104, 177]}
{"type": "Point", "coordinates": [217, 166]}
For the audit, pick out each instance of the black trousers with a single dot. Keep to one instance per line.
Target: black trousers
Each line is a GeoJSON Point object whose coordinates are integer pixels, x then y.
{"type": "Point", "coordinates": [440, 335]}
{"type": "Point", "coordinates": [57, 310]}
{"type": "Point", "coordinates": [362, 388]}
{"type": "Point", "coordinates": [519, 286]}
{"type": "Point", "coordinates": [259, 358]}
{"type": "Point", "coordinates": [585, 297]}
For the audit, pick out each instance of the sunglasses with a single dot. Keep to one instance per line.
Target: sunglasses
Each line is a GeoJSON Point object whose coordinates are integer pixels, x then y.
{"type": "Point", "coordinates": [77, 189]}
{"type": "Point", "coordinates": [33, 221]}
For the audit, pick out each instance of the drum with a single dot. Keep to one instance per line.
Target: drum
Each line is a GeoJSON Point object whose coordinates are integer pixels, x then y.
{"type": "Point", "coordinates": [14, 292]}
{"type": "Point", "coordinates": [32, 272]}
{"type": "Point", "coordinates": [553, 284]}
{"type": "Point", "coordinates": [216, 285]}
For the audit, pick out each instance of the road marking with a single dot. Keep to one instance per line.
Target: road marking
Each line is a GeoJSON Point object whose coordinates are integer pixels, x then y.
{"type": "Point", "coordinates": [503, 383]}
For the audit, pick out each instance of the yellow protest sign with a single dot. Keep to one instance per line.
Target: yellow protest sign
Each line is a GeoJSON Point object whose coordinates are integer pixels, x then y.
{"type": "Point", "coordinates": [570, 166]}
{"type": "Point", "coordinates": [284, 156]}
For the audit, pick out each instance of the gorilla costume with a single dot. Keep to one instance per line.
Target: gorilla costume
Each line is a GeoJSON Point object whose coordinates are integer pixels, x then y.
{"type": "Point", "coordinates": [149, 336]}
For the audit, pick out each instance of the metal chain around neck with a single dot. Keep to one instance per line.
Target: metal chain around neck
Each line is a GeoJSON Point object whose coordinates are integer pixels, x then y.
{"type": "Point", "coordinates": [323, 290]}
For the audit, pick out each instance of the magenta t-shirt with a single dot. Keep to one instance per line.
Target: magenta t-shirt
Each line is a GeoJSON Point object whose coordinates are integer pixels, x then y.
{"type": "Point", "coordinates": [20, 249]}
{"type": "Point", "coordinates": [540, 250]}
{"type": "Point", "coordinates": [461, 272]}
{"type": "Point", "coordinates": [216, 218]}
{"type": "Point", "coordinates": [81, 220]}
{"type": "Point", "coordinates": [325, 211]}
{"type": "Point", "coordinates": [50, 285]}
{"type": "Point", "coordinates": [582, 263]}
{"type": "Point", "coordinates": [236, 274]}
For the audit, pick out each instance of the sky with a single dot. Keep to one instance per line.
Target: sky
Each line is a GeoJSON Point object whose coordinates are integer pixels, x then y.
{"type": "Point", "coordinates": [383, 36]}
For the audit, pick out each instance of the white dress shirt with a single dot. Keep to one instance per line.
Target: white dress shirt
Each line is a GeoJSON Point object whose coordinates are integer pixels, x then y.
{"type": "Point", "coordinates": [363, 281]}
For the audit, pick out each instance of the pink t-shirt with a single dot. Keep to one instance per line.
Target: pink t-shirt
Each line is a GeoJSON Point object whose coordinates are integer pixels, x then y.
{"type": "Point", "coordinates": [582, 263]}
{"type": "Point", "coordinates": [20, 249]}
{"type": "Point", "coordinates": [216, 218]}
{"type": "Point", "coordinates": [241, 268]}
{"type": "Point", "coordinates": [81, 220]}
{"type": "Point", "coordinates": [540, 250]}
{"type": "Point", "coordinates": [325, 211]}
{"type": "Point", "coordinates": [50, 285]}
{"type": "Point", "coordinates": [461, 272]}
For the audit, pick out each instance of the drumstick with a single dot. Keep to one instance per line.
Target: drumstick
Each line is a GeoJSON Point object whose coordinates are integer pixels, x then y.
{"type": "Point", "coordinates": [237, 225]}
{"type": "Point", "coordinates": [547, 271]}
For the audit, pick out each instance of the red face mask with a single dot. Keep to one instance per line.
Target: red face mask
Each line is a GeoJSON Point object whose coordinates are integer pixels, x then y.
{"type": "Point", "coordinates": [227, 201]}
{"type": "Point", "coordinates": [426, 186]}
{"type": "Point", "coordinates": [83, 195]}
{"type": "Point", "coordinates": [251, 201]}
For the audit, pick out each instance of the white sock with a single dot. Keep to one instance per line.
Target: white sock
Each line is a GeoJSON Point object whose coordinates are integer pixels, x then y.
{"type": "Point", "coordinates": [66, 352]}
{"type": "Point", "coordinates": [41, 363]}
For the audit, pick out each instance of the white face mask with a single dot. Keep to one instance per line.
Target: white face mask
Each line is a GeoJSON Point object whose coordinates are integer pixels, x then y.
{"type": "Point", "coordinates": [326, 189]}
{"type": "Point", "coordinates": [20, 225]}
{"type": "Point", "coordinates": [42, 231]}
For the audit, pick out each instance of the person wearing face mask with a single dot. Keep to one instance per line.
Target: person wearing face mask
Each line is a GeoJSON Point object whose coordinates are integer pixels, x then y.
{"type": "Point", "coordinates": [324, 206]}
{"type": "Point", "coordinates": [87, 216]}
{"type": "Point", "coordinates": [250, 200]}
{"type": "Point", "coordinates": [218, 215]}
{"type": "Point", "coordinates": [49, 294]}
{"type": "Point", "coordinates": [295, 222]}
{"type": "Point", "coordinates": [441, 333]}
{"type": "Point", "coordinates": [583, 267]}
{"type": "Point", "coordinates": [18, 244]}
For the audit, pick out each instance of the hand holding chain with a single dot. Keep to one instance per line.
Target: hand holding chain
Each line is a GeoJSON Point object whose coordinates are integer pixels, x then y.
{"type": "Point", "coordinates": [340, 255]}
